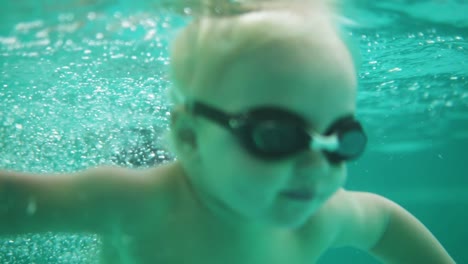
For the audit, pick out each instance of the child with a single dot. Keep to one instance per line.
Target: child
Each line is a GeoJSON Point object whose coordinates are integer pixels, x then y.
{"type": "Point", "coordinates": [263, 125]}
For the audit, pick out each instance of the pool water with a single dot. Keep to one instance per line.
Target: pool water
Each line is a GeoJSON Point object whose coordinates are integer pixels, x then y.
{"type": "Point", "coordinates": [84, 83]}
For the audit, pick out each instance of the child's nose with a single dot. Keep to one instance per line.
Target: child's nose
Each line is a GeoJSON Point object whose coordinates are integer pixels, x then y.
{"type": "Point", "coordinates": [311, 168]}
{"type": "Point", "coordinates": [311, 159]}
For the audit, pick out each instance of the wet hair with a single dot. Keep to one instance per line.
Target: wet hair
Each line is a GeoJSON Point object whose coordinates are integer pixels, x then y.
{"type": "Point", "coordinates": [221, 34]}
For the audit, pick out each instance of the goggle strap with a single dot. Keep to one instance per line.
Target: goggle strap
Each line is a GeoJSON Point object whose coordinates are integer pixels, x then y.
{"type": "Point", "coordinates": [211, 113]}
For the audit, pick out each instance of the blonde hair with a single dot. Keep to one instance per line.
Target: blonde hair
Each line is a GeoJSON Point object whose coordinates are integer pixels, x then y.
{"type": "Point", "coordinates": [219, 35]}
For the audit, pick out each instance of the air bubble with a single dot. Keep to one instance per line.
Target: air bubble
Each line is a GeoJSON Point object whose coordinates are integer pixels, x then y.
{"type": "Point", "coordinates": [32, 207]}
{"type": "Point", "coordinates": [187, 11]}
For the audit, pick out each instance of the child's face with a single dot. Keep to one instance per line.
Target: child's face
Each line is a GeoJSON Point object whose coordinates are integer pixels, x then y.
{"type": "Point", "coordinates": [318, 86]}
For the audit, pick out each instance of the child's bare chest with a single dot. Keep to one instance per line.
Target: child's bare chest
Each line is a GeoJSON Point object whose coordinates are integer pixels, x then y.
{"type": "Point", "coordinates": [182, 241]}
{"type": "Point", "coordinates": [198, 251]}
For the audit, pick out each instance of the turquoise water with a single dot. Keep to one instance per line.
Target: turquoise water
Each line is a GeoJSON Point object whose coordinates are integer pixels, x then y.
{"type": "Point", "coordinates": [83, 83]}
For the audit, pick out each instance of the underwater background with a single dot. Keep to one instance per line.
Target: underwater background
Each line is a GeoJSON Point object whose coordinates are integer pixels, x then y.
{"type": "Point", "coordinates": [84, 83]}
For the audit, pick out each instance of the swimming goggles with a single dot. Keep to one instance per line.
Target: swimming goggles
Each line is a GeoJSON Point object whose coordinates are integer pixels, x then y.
{"type": "Point", "coordinates": [272, 133]}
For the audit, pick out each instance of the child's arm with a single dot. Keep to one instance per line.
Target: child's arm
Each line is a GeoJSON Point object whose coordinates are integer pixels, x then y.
{"type": "Point", "coordinates": [79, 202]}
{"type": "Point", "coordinates": [388, 232]}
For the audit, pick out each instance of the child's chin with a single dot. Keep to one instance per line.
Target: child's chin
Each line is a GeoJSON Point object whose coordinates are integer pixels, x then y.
{"type": "Point", "coordinates": [293, 220]}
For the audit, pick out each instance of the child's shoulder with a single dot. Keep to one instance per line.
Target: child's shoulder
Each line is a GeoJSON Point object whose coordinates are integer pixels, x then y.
{"type": "Point", "coordinates": [137, 196]}
{"type": "Point", "coordinates": [122, 190]}
{"type": "Point", "coordinates": [125, 179]}
{"type": "Point", "coordinates": [351, 204]}
{"type": "Point", "coordinates": [355, 218]}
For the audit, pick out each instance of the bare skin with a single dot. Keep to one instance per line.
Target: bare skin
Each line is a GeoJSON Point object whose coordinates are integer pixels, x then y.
{"type": "Point", "coordinates": [220, 204]}
{"type": "Point", "coordinates": [175, 229]}
{"type": "Point", "coordinates": [190, 233]}
{"type": "Point", "coordinates": [171, 227]}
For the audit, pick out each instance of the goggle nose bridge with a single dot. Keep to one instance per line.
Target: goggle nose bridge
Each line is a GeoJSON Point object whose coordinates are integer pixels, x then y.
{"type": "Point", "coordinates": [320, 142]}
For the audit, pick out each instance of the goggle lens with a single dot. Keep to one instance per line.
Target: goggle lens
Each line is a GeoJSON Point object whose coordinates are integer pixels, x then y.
{"type": "Point", "coordinates": [273, 137]}
{"type": "Point", "coordinates": [352, 143]}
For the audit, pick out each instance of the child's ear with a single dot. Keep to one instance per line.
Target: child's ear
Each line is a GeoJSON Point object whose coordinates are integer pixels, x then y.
{"type": "Point", "coordinates": [183, 130]}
